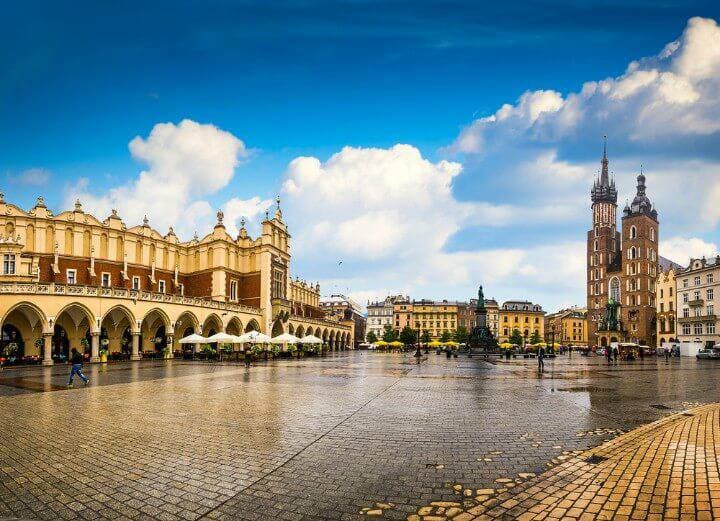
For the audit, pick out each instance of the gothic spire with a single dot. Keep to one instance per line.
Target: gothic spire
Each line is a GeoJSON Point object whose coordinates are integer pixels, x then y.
{"type": "Point", "coordinates": [603, 189]}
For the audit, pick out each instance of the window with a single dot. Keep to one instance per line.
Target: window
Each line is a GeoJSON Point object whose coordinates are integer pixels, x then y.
{"type": "Point", "coordinates": [233, 290]}
{"type": "Point", "coordinates": [686, 329]}
{"type": "Point", "coordinates": [697, 280]}
{"type": "Point", "coordinates": [136, 283]}
{"type": "Point", "coordinates": [161, 286]}
{"type": "Point", "coordinates": [685, 298]}
{"type": "Point", "coordinates": [9, 264]}
{"type": "Point", "coordinates": [662, 307]}
{"type": "Point", "coordinates": [685, 283]}
{"type": "Point", "coordinates": [709, 278]}
{"type": "Point", "coordinates": [710, 328]}
{"type": "Point", "coordinates": [633, 232]}
{"type": "Point", "coordinates": [71, 276]}
{"type": "Point", "coordinates": [696, 294]}
{"type": "Point", "coordinates": [615, 289]}
{"type": "Point", "coordinates": [686, 312]}
{"type": "Point", "coordinates": [698, 328]}
{"type": "Point", "coordinates": [710, 310]}
{"type": "Point", "coordinates": [710, 294]}
{"type": "Point", "coordinates": [105, 280]}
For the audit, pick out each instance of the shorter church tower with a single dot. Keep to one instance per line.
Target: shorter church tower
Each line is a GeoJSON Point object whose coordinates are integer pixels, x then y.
{"type": "Point", "coordinates": [640, 263]}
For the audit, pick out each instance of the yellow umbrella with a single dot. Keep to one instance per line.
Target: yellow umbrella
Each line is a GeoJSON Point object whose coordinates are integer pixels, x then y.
{"type": "Point", "coordinates": [381, 343]}
{"type": "Point", "coordinates": [506, 345]}
{"type": "Point", "coordinates": [450, 343]}
{"type": "Point", "coordinates": [435, 343]}
{"type": "Point", "coordinates": [396, 343]}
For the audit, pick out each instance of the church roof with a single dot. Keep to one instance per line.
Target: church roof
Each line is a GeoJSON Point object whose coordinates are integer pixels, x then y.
{"type": "Point", "coordinates": [667, 264]}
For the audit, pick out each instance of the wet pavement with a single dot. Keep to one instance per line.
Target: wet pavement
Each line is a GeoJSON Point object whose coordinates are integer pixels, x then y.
{"type": "Point", "coordinates": [349, 436]}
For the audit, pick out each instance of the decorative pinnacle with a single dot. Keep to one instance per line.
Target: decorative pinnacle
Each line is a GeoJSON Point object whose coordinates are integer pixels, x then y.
{"type": "Point", "coordinates": [145, 221]}
{"type": "Point", "coordinates": [195, 236]}
{"type": "Point", "coordinates": [2, 196]}
{"type": "Point", "coordinates": [220, 217]}
{"type": "Point", "coordinates": [114, 212]}
{"type": "Point", "coordinates": [242, 222]}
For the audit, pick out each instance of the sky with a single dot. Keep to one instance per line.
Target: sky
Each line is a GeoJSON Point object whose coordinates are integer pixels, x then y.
{"type": "Point", "coordinates": [429, 146]}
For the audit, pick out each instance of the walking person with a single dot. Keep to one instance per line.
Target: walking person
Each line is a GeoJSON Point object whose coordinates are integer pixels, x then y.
{"type": "Point", "coordinates": [76, 359]}
{"type": "Point", "coordinates": [615, 354]}
{"type": "Point", "coordinates": [608, 354]}
{"type": "Point", "coordinates": [541, 359]}
{"type": "Point", "coordinates": [667, 355]}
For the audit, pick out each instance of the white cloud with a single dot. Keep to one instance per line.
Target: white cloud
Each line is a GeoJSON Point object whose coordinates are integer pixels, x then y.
{"type": "Point", "coordinates": [236, 209]}
{"type": "Point", "coordinates": [681, 249]}
{"type": "Point", "coordinates": [31, 177]}
{"type": "Point", "coordinates": [185, 162]}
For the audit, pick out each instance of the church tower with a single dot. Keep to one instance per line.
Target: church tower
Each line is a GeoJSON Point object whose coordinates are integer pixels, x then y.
{"type": "Point", "coordinates": [603, 246]}
{"type": "Point", "coordinates": [640, 249]}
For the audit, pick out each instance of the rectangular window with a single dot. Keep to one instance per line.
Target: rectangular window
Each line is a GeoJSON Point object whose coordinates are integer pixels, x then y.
{"type": "Point", "coordinates": [686, 329]}
{"type": "Point", "coordinates": [685, 283]}
{"type": "Point", "coordinates": [710, 328]}
{"type": "Point", "coordinates": [710, 310]}
{"type": "Point", "coordinates": [709, 278]}
{"type": "Point", "coordinates": [9, 264]}
{"type": "Point", "coordinates": [71, 276]}
{"type": "Point", "coordinates": [710, 294]}
{"type": "Point", "coordinates": [233, 290]}
{"type": "Point", "coordinates": [685, 298]}
{"type": "Point", "coordinates": [105, 280]}
{"type": "Point", "coordinates": [697, 281]}
{"type": "Point", "coordinates": [686, 312]}
{"type": "Point", "coordinates": [136, 283]}
{"type": "Point", "coordinates": [697, 295]}
{"type": "Point", "coordinates": [181, 289]}
{"type": "Point", "coordinates": [698, 329]}
{"type": "Point", "coordinates": [161, 286]}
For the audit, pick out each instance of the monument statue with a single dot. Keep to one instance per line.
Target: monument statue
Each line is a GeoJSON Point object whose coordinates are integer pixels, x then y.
{"type": "Point", "coordinates": [481, 338]}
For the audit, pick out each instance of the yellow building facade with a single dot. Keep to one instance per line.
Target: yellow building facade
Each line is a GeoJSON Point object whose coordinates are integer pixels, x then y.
{"type": "Point", "coordinates": [73, 280]}
{"type": "Point", "coordinates": [665, 306]}
{"type": "Point", "coordinates": [568, 326]}
{"type": "Point", "coordinates": [526, 317]}
{"type": "Point", "coordinates": [435, 317]}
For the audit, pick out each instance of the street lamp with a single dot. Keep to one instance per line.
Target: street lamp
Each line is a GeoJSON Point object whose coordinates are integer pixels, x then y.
{"type": "Point", "coordinates": [418, 354]}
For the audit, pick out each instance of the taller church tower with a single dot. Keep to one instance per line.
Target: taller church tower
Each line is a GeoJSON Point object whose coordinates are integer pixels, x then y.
{"type": "Point", "coordinates": [603, 246]}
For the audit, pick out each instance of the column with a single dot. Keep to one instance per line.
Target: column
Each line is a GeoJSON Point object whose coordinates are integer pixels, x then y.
{"type": "Point", "coordinates": [95, 347]}
{"type": "Point", "coordinates": [135, 353]}
{"type": "Point", "coordinates": [169, 344]}
{"type": "Point", "coordinates": [47, 349]}
{"type": "Point", "coordinates": [196, 348]}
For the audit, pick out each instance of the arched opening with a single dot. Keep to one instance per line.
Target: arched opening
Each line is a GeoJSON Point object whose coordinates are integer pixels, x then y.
{"type": "Point", "coordinates": [333, 346]}
{"type": "Point", "coordinates": [299, 332]}
{"type": "Point", "coordinates": [277, 329]}
{"type": "Point", "coordinates": [291, 329]}
{"type": "Point", "coordinates": [21, 335]}
{"type": "Point", "coordinates": [186, 324]}
{"type": "Point", "coordinates": [153, 332]}
{"type": "Point", "coordinates": [252, 326]}
{"type": "Point", "coordinates": [325, 337]}
{"type": "Point", "coordinates": [72, 330]}
{"type": "Point", "coordinates": [309, 331]}
{"type": "Point", "coordinates": [603, 342]}
{"type": "Point", "coordinates": [613, 339]}
{"type": "Point", "coordinates": [211, 326]}
{"type": "Point", "coordinates": [116, 332]}
{"type": "Point", "coordinates": [234, 327]}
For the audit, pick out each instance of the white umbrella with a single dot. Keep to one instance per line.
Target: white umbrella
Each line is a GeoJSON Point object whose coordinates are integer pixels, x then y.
{"type": "Point", "coordinates": [193, 339]}
{"type": "Point", "coordinates": [222, 338]}
{"type": "Point", "coordinates": [254, 337]}
{"type": "Point", "coordinates": [285, 338]}
{"type": "Point", "coordinates": [310, 339]}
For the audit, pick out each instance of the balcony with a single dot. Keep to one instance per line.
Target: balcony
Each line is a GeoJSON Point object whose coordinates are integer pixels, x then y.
{"type": "Point", "coordinates": [703, 318]}
{"type": "Point", "coordinates": [280, 305]}
{"type": "Point", "coordinates": [696, 302]}
{"type": "Point", "coordinates": [79, 290]}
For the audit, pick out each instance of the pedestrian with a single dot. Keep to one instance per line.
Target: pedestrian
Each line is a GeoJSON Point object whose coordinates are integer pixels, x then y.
{"type": "Point", "coordinates": [541, 359]}
{"type": "Point", "coordinates": [667, 355]}
{"type": "Point", "coordinates": [608, 354]}
{"type": "Point", "coordinates": [247, 358]}
{"type": "Point", "coordinates": [615, 350]}
{"type": "Point", "coordinates": [76, 359]}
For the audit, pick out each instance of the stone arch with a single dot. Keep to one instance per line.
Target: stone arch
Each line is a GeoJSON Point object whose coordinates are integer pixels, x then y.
{"type": "Point", "coordinates": [23, 324]}
{"type": "Point", "coordinates": [74, 325]}
{"type": "Point", "coordinates": [331, 340]}
{"type": "Point", "coordinates": [277, 328]}
{"type": "Point", "coordinates": [252, 325]}
{"type": "Point", "coordinates": [211, 325]}
{"type": "Point", "coordinates": [300, 331]}
{"type": "Point", "coordinates": [325, 336]}
{"type": "Point", "coordinates": [77, 312]}
{"type": "Point", "coordinates": [116, 328]}
{"type": "Point", "coordinates": [309, 331]}
{"type": "Point", "coordinates": [291, 329]}
{"type": "Point", "coordinates": [154, 330]}
{"type": "Point", "coordinates": [234, 327]}
{"type": "Point", "coordinates": [186, 320]}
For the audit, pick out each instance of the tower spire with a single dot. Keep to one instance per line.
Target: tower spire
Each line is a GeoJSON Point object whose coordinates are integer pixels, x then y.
{"type": "Point", "coordinates": [604, 178]}
{"type": "Point", "coordinates": [603, 189]}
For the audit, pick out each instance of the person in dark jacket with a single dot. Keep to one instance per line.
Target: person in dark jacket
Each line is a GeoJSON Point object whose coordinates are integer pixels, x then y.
{"type": "Point", "coordinates": [76, 359]}
{"type": "Point", "coordinates": [541, 359]}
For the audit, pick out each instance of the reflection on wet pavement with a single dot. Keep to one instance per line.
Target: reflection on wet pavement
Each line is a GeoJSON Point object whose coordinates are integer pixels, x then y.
{"type": "Point", "coordinates": [341, 437]}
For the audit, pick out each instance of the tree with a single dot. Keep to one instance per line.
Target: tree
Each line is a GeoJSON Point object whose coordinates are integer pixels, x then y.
{"type": "Point", "coordinates": [516, 337]}
{"type": "Point", "coordinates": [371, 337]}
{"type": "Point", "coordinates": [389, 335]}
{"type": "Point", "coordinates": [425, 337]}
{"type": "Point", "coordinates": [445, 337]}
{"type": "Point", "coordinates": [407, 335]}
{"type": "Point", "coordinates": [535, 337]}
{"type": "Point", "coordinates": [461, 335]}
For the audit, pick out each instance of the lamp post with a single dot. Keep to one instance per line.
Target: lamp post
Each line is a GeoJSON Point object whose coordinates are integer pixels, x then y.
{"type": "Point", "coordinates": [418, 353]}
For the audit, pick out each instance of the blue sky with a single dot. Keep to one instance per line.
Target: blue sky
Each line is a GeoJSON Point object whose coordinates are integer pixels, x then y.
{"type": "Point", "coordinates": [305, 79]}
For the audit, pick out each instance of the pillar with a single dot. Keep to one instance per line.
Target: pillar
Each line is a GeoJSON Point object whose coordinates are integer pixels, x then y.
{"type": "Point", "coordinates": [47, 349]}
{"type": "Point", "coordinates": [95, 347]}
{"type": "Point", "coordinates": [196, 348]}
{"type": "Point", "coordinates": [135, 353]}
{"type": "Point", "coordinates": [169, 342]}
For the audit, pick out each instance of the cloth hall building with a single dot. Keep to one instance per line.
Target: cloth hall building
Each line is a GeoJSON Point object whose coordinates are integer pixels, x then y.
{"type": "Point", "coordinates": [622, 266]}
{"type": "Point", "coordinates": [72, 280]}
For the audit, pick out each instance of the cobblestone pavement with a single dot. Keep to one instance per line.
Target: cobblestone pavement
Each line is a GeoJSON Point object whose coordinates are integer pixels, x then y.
{"type": "Point", "coordinates": [348, 436]}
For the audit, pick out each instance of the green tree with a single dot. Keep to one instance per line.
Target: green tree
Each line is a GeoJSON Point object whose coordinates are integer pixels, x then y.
{"type": "Point", "coordinates": [389, 335]}
{"type": "Point", "coordinates": [535, 338]}
{"type": "Point", "coordinates": [407, 335]}
{"type": "Point", "coordinates": [516, 337]}
{"type": "Point", "coordinates": [446, 336]}
{"type": "Point", "coordinates": [461, 335]}
{"type": "Point", "coordinates": [371, 337]}
{"type": "Point", "coordinates": [425, 337]}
